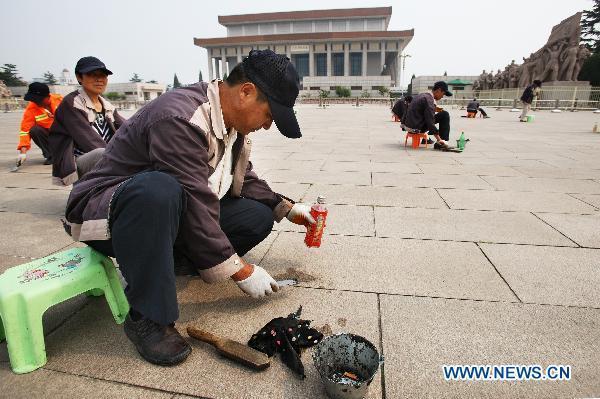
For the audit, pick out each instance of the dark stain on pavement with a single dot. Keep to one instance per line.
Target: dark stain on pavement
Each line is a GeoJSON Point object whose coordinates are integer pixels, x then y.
{"type": "Point", "coordinates": [292, 273]}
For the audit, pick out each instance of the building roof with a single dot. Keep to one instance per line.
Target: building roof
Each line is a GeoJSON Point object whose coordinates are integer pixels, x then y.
{"type": "Point", "coordinates": [291, 37]}
{"type": "Point", "coordinates": [310, 14]}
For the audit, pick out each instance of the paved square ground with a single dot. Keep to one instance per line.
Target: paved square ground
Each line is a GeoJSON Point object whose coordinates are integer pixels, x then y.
{"type": "Point", "coordinates": [491, 256]}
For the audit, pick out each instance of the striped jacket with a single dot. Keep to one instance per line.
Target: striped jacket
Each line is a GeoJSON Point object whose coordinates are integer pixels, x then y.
{"type": "Point", "coordinates": [36, 115]}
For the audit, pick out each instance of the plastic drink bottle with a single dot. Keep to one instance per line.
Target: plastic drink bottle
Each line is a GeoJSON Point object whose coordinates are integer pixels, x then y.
{"type": "Point", "coordinates": [315, 231]}
{"type": "Point", "coordinates": [461, 141]}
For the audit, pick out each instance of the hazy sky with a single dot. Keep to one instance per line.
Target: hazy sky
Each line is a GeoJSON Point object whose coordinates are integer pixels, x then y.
{"type": "Point", "coordinates": [155, 38]}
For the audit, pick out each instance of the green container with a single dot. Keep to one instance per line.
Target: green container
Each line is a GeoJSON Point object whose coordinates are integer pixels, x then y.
{"type": "Point", "coordinates": [530, 118]}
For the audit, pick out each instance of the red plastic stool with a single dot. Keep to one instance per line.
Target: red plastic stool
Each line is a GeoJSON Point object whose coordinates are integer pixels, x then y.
{"type": "Point", "coordinates": [416, 139]}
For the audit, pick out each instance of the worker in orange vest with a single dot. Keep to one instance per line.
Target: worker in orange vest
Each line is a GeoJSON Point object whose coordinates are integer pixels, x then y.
{"type": "Point", "coordinates": [36, 122]}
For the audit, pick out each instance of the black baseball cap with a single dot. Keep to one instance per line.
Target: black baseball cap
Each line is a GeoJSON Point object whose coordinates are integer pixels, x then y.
{"type": "Point", "coordinates": [276, 77]}
{"type": "Point", "coordinates": [89, 64]}
{"type": "Point", "coordinates": [36, 92]}
{"type": "Point", "coordinates": [444, 86]}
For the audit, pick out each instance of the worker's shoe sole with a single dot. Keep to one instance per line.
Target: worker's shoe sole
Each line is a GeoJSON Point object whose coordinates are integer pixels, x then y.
{"type": "Point", "coordinates": [161, 345]}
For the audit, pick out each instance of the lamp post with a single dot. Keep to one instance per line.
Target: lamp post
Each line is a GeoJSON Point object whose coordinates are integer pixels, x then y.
{"type": "Point", "coordinates": [401, 67]}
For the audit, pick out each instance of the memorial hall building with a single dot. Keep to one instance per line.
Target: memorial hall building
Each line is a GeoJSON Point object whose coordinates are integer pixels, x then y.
{"type": "Point", "coordinates": [341, 47]}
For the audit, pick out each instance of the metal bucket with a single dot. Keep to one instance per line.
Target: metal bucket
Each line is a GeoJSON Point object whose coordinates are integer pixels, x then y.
{"type": "Point", "coordinates": [347, 364]}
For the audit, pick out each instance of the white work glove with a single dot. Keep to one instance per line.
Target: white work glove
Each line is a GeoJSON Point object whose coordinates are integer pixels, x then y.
{"type": "Point", "coordinates": [258, 284]}
{"type": "Point", "coordinates": [21, 158]}
{"type": "Point", "coordinates": [300, 214]}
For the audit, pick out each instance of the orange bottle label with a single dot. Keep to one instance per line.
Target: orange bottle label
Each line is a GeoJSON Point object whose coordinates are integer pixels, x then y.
{"type": "Point", "coordinates": [315, 231]}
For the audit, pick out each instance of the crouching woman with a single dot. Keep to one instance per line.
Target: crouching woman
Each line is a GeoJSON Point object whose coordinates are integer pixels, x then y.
{"type": "Point", "coordinates": [84, 123]}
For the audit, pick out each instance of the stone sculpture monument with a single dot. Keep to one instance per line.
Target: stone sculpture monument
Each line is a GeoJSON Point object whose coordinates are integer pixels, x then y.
{"type": "Point", "coordinates": [558, 61]}
{"type": "Point", "coordinates": [4, 91]}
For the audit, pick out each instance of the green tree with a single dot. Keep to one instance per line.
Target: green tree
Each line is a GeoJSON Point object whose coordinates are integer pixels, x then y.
{"type": "Point", "coordinates": [114, 96]}
{"type": "Point", "coordinates": [49, 78]}
{"type": "Point", "coordinates": [176, 83]}
{"type": "Point", "coordinates": [200, 76]}
{"type": "Point", "coordinates": [135, 78]}
{"type": "Point", "coordinates": [9, 74]}
{"type": "Point", "coordinates": [590, 27]}
{"type": "Point", "coordinates": [342, 91]}
{"type": "Point", "coordinates": [590, 70]}
{"type": "Point", "coordinates": [383, 91]}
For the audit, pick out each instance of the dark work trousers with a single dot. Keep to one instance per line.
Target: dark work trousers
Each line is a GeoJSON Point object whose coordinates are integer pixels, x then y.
{"type": "Point", "coordinates": [39, 135]}
{"type": "Point", "coordinates": [144, 222]}
{"type": "Point", "coordinates": [443, 119]}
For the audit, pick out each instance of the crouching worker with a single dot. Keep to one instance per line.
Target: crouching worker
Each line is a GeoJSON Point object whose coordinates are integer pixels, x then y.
{"type": "Point", "coordinates": [85, 122]}
{"type": "Point", "coordinates": [37, 120]}
{"type": "Point", "coordinates": [421, 116]}
{"type": "Point", "coordinates": [178, 174]}
{"type": "Point", "coordinates": [399, 109]}
{"type": "Point", "coordinates": [474, 106]}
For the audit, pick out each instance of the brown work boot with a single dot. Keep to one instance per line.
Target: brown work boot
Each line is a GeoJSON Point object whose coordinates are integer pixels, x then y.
{"type": "Point", "coordinates": [162, 345]}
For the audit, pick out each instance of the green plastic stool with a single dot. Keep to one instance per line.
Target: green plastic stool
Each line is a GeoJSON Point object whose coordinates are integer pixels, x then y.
{"type": "Point", "coordinates": [28, 290]}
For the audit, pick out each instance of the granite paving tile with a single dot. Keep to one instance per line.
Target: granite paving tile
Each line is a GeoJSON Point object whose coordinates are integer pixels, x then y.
{"type": "Point", "coordinates": [593, 200]}
{"type": "Point", "coordinates": [29, 180]}
{"type": "Point", "coordinates": [541, 185]}
{"type": "Point", "coordinates": [375, 195]}
{"type": "Point", "coordinates": [466, 225]}
{"type": "Point", "coordinates": [386, 265]}
{"type": "Point", "coordinates": [44, 384]}
{"type": "Point", "coordinates": [430, 180]}
{"type": "Point", "coordinates": [42, 234]}
{"type": "Point", "coordinates": [513, 201]}
{"type": "Point", "coordinates": [36, 201]}
{"type": "Point", "coordinates": [560, 276]}
{"type": "Point", "coordinates": [317, 176]}
{"type": "Point", "coordinates": [421, 335]}
{"type": "Point", "coordinates": [478, 170]}
{"type": "Point", "coordinates": [91, 344]}
{"type": "Point", "coordinates": [583, 229]}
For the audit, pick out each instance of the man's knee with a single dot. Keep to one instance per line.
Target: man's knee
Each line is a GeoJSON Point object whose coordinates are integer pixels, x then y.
{"type": "Point", "coordinates": [87, 161]}
{"type": "Point", "coordinates": [158, 190]}
{"type": "Point", "coordinates": [263, 221]}
{"type": "Point", "coordinates": [443, 116]}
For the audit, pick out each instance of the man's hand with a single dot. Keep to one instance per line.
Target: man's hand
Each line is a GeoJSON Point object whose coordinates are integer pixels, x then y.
{"type": "Point", "coordinates": [258, 284]}
{"type": "Point", "coordinates": [300, 214]}
{"type": "Point", "coordinates": [21, 157]}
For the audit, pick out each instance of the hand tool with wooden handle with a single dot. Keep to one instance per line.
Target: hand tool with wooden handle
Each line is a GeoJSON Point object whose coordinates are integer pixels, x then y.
{"type": "Point", "coordinates": [232, 349]}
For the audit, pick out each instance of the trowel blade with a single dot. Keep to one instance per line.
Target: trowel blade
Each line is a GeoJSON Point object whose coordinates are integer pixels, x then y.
{"type": "Point", "coordinates": [290, 281]}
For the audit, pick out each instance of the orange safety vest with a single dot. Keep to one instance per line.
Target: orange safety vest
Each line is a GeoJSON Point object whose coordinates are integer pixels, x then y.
{"type": "Point", "coordinates": [36, 115]}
